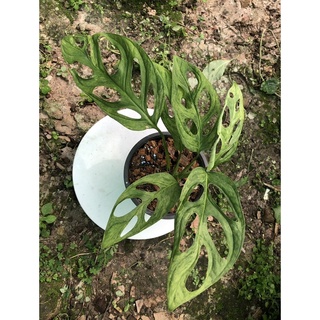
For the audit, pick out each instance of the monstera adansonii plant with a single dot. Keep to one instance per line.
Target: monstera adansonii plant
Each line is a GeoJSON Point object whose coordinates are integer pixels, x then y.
{"type": "Point", "coordinates": [185, 100]}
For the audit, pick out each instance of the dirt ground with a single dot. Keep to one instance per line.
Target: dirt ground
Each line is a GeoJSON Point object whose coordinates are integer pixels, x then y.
{"type": "Point", "coordinates": [76, 280]}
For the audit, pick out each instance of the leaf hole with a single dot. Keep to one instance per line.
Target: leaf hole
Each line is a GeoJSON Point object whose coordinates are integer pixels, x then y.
{"type": "Point", "coordinates": [130, 114]}
{"type": "Point", "coordinates": [123, 208]}
{"type": "Point", "coordinates": [226, 117]}
{"type": "Point", "coordinates": [207, 128]}
{"type": "Point", "coordinates": [198, 274]}
{"type": "Point", "coordinates": [211, 223]}
{"type": "Point", "coordinates": [231, 95]}
{"type": "Point", "coordinates": [148, 187]}
{"type": "Point", "coordinates": [108, 94]}
{"type": "Point", "coordinates": [204, 103]}
{"type": "Point", "coordinates": [218, 146]}
{"type": "Point", "coordinates": [192, 126]}
{"type": "Point", "coordinates": [136, 81]}
{"type": "Point", "coordinates": [192, 80]}
{"type": "Point", "coordinates": [153, 205]}
{"type": "Point", "coordinates": [129, 226]}
{"type": "Point", "coordinates": [79, 42]}
{"type": "Point", "coordinates": [234, 130]}
{"type": "Point", "coordinates": [110, 56]}
{"type": "Point", "coordinates": [218, 237]}
{"type": "Point", "coordinates": [189, 234]}
{"type": "Point", "coordinates": [150, 97]}
{"type": "Point", "coordinates": [181, 94]}
{"type": "Point", "coordinates": [169, 108]}
{"type": "Point", "coordinates": [222, 202]}
{"type": "Point", "coordinates": [196, 193]}
{"type": "Point", "coordinates": [238, 105]}
{"type": "Point", "coordinates": [83, 71]}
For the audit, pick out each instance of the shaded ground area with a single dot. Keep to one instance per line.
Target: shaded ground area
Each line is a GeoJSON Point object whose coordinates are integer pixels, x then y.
{"type": "Point", "coordinates": [77, 280]}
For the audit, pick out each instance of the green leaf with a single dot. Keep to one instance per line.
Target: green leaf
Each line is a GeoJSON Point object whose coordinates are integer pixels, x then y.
{"type": "Point", "coordinates": [167, 194]}
{"type": "Point", "coordinates": [64, 289]}
{"type": "Point", "coordinates": [59, 246]}
{"type": "Point", "coordinates": [182, 264]}
{"type": "Point", "coordinates": [270, 86]}
{"type": "Point", "coordinates": [119, 293]}
{"type": "Point", "coordinates": [86, 50]}
{"type": "Point", "coordinates": [47, 209]}
{"type": "Point", "coordinates": [44, 87]}
{"type": "Point", "coordinates": [176, 28]}
{"type": "Point", "coordinates": [277, 214]}
{"type": "Point", "coordinates": [241, 182]}
{"type": "Point", "coordinates": [126, 307]}
{"type": "Point", "coordinates": [167, 115]}
{"type": "Point", "coordinates": [215, 70]}
{"type": "Point", "coordinates": [49, 219]}
{"type": "Point", "coordinates": [229, 127]}
{"type": "Point", "coordinates": [194, 108]}
{"type": "Point", "coordinates": [45, 233]}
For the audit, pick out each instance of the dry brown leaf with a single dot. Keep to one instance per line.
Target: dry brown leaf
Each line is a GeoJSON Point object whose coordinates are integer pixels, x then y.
{"type": "Point", "coordinates": [161, 316]}
{"type": "Point", "coordinates": [113, 278]}
{"type": "Point", "coordinates": [133, 291]}
{"type": "Point", "coordinates": [139, 304]}
{"type": "Point", "coordinates": [195, 224]}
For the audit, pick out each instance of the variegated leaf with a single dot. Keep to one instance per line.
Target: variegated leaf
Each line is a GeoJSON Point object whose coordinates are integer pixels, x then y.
{"type": "Point", "coordinates": [195, 109]}
{"type": "Point", "coordinates": [183, 263]}
{"type": "Point", "coordinates": [228, 128]}
{"type": "Point", "coordinates": [167, 194]}
{"type": "Point", "coordinates": [86, 50]}
{"type": "Point", "coordinates": [167, 113]}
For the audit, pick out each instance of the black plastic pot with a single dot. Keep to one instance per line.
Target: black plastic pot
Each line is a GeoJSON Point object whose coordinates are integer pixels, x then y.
{"type": "Point", "coordinates": [202, 160]}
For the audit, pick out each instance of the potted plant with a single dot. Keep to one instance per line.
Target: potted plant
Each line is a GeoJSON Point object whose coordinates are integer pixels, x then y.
{"type": "Point", "coordinates": [187, 103]}
{"type": "Point", "coordinates": [148, 156]}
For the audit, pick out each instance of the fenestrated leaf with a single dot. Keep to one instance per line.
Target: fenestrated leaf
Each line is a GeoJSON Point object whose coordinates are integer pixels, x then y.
{"type": "Point", "coordinates": [215, 70]}
{"type": "Point", "coordinates": [183, 263]}
{"type": "Point", "coordinates": [167, 113]}
{"type": "Point", "coordinates": [86, 51]}
{"type": "Point", "coordinates": [228, 133]}
{"type": "Point", "coordinates": [190, 115]}
{"type": "Point", "coordinates": [167, 194]}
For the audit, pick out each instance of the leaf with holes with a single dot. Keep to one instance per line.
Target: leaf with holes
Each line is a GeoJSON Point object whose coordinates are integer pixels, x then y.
{"type": "Point", "coordinates": [229, 127]}
{"type": "Point", "coordinates": [167, 192]}
{"type": "Point", "coordinates": [167, 113]}
{"type": "Point", "coordinates": [194, 108]}
{"type": "Point", "coordinates": [182, 264]}
{"type": "Point", "coordinates": [86, 50]}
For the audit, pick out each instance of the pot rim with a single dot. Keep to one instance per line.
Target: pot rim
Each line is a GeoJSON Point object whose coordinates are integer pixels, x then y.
{"type": "Point", "coordinates": [202, 162]}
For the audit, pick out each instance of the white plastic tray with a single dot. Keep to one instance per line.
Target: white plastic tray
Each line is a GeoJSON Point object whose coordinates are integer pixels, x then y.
{"type": "Point", "coordinates": [98, 173]}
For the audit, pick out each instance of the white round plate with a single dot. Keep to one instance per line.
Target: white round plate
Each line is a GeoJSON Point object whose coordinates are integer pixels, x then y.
{"type": "Point", "coordinates": [98, 173]}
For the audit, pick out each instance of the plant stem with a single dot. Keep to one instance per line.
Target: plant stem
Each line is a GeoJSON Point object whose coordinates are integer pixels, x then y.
{"type": "Point", "coordinates": [81, 254]}
{"type": "Point", "coordinates": [182, 173]}
{"type": "Point", "coordinates": [165, 146]}
{"type": "Point", "coordinates": [176, 166]}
